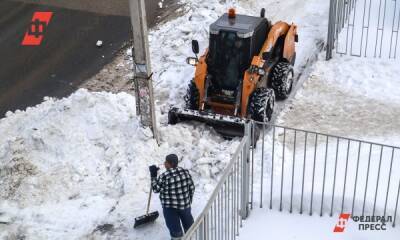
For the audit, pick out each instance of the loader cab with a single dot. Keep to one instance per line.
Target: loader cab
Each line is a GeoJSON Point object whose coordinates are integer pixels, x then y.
{"type": "Point", "coordinates": [234, 41]}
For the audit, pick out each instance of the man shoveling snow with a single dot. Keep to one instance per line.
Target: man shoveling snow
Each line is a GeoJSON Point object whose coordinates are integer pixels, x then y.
{"type": "Point", "coordinates": [176, 190]}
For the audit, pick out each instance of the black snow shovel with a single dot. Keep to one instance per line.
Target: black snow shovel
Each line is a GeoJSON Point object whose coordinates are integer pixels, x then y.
{"type": "Point", "coordinates": [148, 217]}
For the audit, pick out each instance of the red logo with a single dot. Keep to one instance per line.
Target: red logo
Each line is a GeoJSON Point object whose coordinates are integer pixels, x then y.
{"type": "Point", "coordinates": [37, 28]}
{"type": "Point", "coordinates": [341, 225]}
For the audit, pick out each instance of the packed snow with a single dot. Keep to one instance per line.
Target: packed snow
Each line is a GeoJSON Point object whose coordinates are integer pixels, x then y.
{"type": "Point", "coordinates": [277, 225]}
{"type": "Point", "coordinates": [70, 167]}
{"type": "Point", "coordinates": [76, 168]}
{"type": "Point", "coordinates": [346, 96]}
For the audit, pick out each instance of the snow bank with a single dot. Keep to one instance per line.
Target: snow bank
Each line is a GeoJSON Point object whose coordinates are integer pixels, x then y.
{"type": "Point", "coordinates": [69, 166]}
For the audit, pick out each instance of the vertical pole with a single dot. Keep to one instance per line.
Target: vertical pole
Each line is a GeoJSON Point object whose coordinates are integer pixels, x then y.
{"type": "Point", "coordinates": [313, 174]}
{"type": "Point", "coordinates": [142, 67]}
{"type": "Point", "coordinates": [272, 166]}
{"type": "Point", "coordinates": [331, 29]}
{"type": "Point", "coordinates": [283, 168]}
{"type": "Point", "coordinates": [262, 167]}
{"type": "Point", "coordinates": [323, 181]}
{"type": "Point", "coordinates": [304, 172]}
{"type": "Point", "coordinates": [246, 174]}
{"type": "Point", "coordinates": [293, 167]}
{"type": "Point", "coordinates": [253, 143]}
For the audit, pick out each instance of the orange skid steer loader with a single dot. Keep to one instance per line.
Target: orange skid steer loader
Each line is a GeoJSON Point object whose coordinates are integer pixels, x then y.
{"type": "Point", "coordinates": [248, 64]}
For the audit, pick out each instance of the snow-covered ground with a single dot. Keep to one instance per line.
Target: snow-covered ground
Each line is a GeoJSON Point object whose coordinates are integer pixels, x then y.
{"type": "Point", "coordinates": [350, 97]}
{"type": "Point", "coordinates": [285, 226]}
{"type": "Point", "coordinates": [76, 168]}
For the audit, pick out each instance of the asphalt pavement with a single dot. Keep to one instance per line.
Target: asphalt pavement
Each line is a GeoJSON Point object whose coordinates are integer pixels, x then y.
{"type": "Point", "coordinates": [68, 54]}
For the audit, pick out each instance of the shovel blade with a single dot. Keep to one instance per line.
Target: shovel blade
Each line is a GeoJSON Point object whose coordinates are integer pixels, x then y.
{"type": "Point", "coordinates": [146, 219]}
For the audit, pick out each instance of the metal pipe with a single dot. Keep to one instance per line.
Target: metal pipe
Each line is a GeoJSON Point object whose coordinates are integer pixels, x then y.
{"type": "Point", "coordinates": [252, 162]}
{"type": "Point", "coordinates": [334, 176]}
{"type": "Point", "coordinates": [323, 181]}
{"type": "Point", "coordinates": [397, 205]}
{"type": "Point", "coordinates": [366, 183]}
{"type": "Point", "coordinates": [304, 171]}
{"type": "Point", "coordinates": [313, 176]}
{"type": "Point", "coordinates": [293, 166]}
{"type": "Point", "coordinates": [355, 183]}
{"type": "Point", "coordinates": [388, 186]}
{"type": "Point", "coordinates": [272, 166]}
{"type": "Point", "coordinates": [283, 167]}
{"type": "Point", "coordinates": [377, 181]}
{"type": "Point", "coordinates": [262, 166]}
{"type": "Point", "coordinates": [345, 174]}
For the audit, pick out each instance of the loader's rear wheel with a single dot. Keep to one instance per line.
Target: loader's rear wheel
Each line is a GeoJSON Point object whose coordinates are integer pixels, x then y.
{"type": "Point", "coordinates": [282, 77]}
{"type": "Point", "coordinates": [192, 97]}
{"type": "Point", "coordinates": [261, 104]}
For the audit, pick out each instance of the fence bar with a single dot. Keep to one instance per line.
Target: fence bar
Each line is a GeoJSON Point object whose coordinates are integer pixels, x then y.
{"type": "Point", "coordinates": [262, 166]}
{"type": "Point", "coordinates": [331, 29]}
{"type": "Point", "coordinates": [313, 176]}
{"type": "Point", "coordinates": [377, 180]}
{"type": "Point", "coordinates": [283, 167]}
{"type": "Point", "coordinates": [304, 172]}
{"type": "Point", "coordinates": [237, 197]}
{"type": "Point", "coordinates": [397, 205]}
{"type": "Point", "coordinates": [293, 166]}
{"type": "Point", "coordinates": [226, 207]}
{"type": "Point", "coordinates": [366, 183]}
{"type": "Point", "coordinates": [377, 27]}
{"type": "Point", "coordinates": [388, 186]}
{"type": "Point", "coordinates": [323, 181]}
{"type": "Point", "coordinates": [355, 183]}
{"type": "Point", "coordinates": [334, 176]}
{"type": "Point", "coordinates": [272, 166]}
{"type": "Point", "coordinates": [253, 143]}
{"type": "Point", "coordinates": [393, 29]}
{"type": "Point", "coordinates": [345, 174]}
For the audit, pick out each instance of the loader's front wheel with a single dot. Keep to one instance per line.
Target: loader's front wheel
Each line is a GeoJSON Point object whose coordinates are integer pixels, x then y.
{"type": "Point", "coordinates": [282, 77]}
{"type": "Point", "coordinates": [192, 97]}
{"type": "Point", "coordinates": [261, 104]}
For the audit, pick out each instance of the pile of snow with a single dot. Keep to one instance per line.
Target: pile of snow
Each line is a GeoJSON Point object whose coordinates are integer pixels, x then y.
{"type": "Point", "coordinates": [69, 166]}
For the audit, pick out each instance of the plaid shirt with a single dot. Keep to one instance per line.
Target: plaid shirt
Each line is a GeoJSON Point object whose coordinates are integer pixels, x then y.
{"type": "Point", "coordinates": [176, 188]}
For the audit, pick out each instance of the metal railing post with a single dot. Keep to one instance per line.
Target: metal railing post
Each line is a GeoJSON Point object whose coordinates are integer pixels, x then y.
{"type": "Point", "coordinates": [331, 30]}
{"type": "Point", "coordinates": [244, 209]}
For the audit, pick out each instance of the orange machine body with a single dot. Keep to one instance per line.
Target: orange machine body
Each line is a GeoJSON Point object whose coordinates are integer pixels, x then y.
{"type": "Point", "coordinates": [252, 78]}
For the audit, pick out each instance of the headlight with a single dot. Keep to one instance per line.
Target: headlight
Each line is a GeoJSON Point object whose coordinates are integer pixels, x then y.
{"type": "Point", "coordinates": [192, 61]}
{"type": "Point", "coordinates": [261, 72]}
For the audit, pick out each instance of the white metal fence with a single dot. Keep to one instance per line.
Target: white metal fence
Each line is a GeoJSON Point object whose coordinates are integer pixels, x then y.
{"type": "Point", "coordinates": [301, 171]}
{"type": "Point", "coordinates": [315, 173]}
{"type": "Point", "coordinates": [364, 28]}
{"type": "Point", "coordinates": [228, 205]}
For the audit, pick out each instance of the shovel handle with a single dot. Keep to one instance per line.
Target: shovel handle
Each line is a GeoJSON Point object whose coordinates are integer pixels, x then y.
{"type": "Point", "coordinates": [149, 199]}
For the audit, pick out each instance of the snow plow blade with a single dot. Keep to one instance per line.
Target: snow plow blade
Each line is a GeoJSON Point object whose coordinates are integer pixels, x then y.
{"type": "Point", "coordinates": [145, 219]}
{"type": "Point", "coordinates": [228, 126]}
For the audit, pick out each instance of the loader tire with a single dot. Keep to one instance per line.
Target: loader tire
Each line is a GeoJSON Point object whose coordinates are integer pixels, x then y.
{"type": "Point", "coordinates": [282, 77]}
{"type": "Point", "coordinates": [192, 97]}
{"type": "Point", "coordinates": [261, 104]}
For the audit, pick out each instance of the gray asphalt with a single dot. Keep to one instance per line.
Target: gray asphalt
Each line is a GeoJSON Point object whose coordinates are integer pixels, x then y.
{"type": "Point", "coordinates": [68, 54]}
{"type": "Point", "coordinates": [107, 7]}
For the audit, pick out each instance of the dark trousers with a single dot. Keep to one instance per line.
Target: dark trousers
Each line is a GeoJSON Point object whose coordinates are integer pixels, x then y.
{"type": "Point", "coordinates": [174, 218]}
